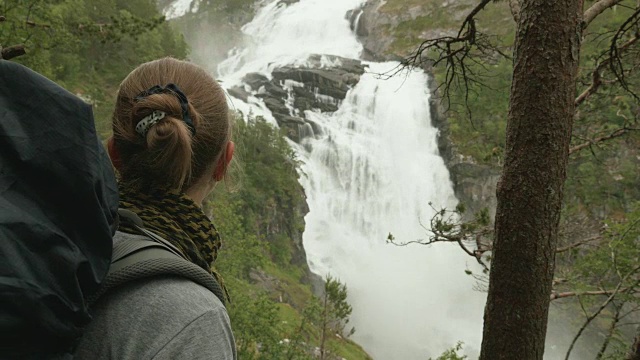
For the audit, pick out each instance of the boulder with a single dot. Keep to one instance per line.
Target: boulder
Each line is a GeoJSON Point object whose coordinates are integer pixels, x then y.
{"type": "Point", "coordinates": [320, 85]}
{"type": "Point", "coordinates": [239, 92]}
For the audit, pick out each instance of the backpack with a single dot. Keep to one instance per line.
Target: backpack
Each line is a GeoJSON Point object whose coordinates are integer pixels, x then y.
{"type": "Point", "coordinates": [58, 214]}
{"type": "Point", "coordinates": [139, 259]}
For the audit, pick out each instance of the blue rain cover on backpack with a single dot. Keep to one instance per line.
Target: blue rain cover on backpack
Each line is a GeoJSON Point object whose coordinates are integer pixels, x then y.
{"type": "Point", "coordinates": [58, 211]}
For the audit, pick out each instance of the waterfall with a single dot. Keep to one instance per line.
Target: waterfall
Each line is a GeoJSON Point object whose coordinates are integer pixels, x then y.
{"type": "Point", "coordinates": [372, 171]}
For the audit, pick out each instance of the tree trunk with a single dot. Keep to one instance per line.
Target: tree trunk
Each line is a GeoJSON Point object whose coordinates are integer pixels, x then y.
{"type": "Point", "coordinates": [634, 353]}
{"type": "Point", "coordinates": [530, 190]}
{"type": "Point", "coordinates": [325, 310]}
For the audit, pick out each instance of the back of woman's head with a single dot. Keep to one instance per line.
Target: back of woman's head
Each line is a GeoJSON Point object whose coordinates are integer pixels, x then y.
{"type": "Point", "coordinates": [182, 121]}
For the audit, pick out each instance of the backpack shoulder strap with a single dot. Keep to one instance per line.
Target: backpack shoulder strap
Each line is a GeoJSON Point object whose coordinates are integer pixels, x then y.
{"type": "Point", "coordinates": [141, 259]}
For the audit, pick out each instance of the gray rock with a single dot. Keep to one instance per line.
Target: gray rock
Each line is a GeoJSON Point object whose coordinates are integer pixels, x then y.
{"type": "Point", "coordinates": [372, 33]}
{"type": "Point", "coordinates": [239, 92]}
{"type": "Point", "coordinates": [255, 80]}
{"type": "Point", "coordinates": [288, 2]}
{"type": "Point", "coordinates": [346, 65]}
{"type": "Point", "coordinates": [275, 105]}
{"type": "Point", "coordinates": [474, 185]}
{"type": "Point", "coordinates": [330, 82]}
{"type": "Point", "coordinates": [329, 76]}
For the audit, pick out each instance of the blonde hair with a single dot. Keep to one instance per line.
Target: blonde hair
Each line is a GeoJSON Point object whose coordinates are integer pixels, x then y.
{"type": "Point", "coordinates": [170, 156]}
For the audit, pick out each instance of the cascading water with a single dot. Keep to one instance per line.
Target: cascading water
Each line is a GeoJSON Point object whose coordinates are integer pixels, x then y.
{"type": "Point", "coordinates": [373, 171]}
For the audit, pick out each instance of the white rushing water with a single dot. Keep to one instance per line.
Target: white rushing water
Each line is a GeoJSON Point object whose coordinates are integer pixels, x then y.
{"type": "Point", "coordinates": [372, 172]}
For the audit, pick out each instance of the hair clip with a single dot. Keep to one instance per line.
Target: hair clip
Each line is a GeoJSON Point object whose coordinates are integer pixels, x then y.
{"type": "Point", "coordinates": [147, 122]}
{"type": "Point", "coordinates": [182, 98]}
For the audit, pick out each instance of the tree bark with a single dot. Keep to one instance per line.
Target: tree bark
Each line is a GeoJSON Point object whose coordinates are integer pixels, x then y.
{"type": "Point", "coordinates": [530, 190]}
{"type": "Point", "coordinates": [634, 353]}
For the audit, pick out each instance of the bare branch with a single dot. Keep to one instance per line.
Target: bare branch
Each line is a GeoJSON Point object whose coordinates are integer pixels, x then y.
{"type": "Point", "coordinates": [613, 135]}
{"type": "Point", "coordinates": [612, 329]}
{"type": "Point", "coordinates": [445, 226]}
{"type": "Point", "coordinates": [559, 281]}
{"type": "Point", "coordinates": [454, 52]}
{"type": "Point", "coordinates": [596, 9]}
{"type": "Point", "coordinates": [578, 244]}
{"type": "Point", "coordinates": [567, 294]}
{"type": "Point", "coordinates": [11, 52]}
{"type": "Point", "coordinates": [609, 299]}
{"type": "Point", "coordinates": [615, 54]}
{"type": "Point", "coordinates": [31, 23]}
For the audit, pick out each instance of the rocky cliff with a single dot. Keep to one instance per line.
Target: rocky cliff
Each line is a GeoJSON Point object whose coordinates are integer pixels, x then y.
{"type": "Point", "coordinates": [387, 34]}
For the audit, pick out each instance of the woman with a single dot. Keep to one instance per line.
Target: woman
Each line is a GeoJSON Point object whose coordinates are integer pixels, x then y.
{"type": "Point", "coordinates": [171, 145]}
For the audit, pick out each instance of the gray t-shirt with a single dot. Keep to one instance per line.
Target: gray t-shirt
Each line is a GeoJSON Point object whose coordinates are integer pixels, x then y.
{"type": "Point", "coordinates": [159, 318]}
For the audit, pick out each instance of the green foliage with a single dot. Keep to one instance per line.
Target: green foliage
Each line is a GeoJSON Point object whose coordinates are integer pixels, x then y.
{"type": "Point", "coordinates": [336, 308]}
{"type": "Point", "coordinates": [256, 326]}
{"type": "Point", "coordinates": [243, 250]}
{"type": "Point", "coordinates": [256, 221]}
{"type": "Point", "coordinates": [271, 197]}
{"type": "Point", "coordinates": [620, 255]}
{"type": "Point", "coordinates": [452, 354]}
{"type": "Point", "coordinates": [89, 46]}
{"type": "Point", "coordinates": [305, 333]}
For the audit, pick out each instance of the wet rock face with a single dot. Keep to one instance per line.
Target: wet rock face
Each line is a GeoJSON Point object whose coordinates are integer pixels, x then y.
{"type": "Point", "coordinates": [474, 184]}
{"type": "Point", "coordinates": [320, 85]}
{"type": "Point", "coordinates": [288, 2]}
{"type": "Point", "coordinates": [371, 28]}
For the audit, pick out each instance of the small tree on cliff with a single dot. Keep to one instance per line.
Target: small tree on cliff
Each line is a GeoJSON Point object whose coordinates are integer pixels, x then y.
{"type": "Point", "coordinates": [335, 312]}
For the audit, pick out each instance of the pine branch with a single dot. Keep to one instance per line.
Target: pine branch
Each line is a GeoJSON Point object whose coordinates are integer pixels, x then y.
{"type": "Point", "coordinates": [616, 55]}
{"type": "Point", "coordinates": [577, 244]}
{"type": "Point", "coordinates": [606, 303]}
{"type": "Point", "coordinates": [597, 9]}
{"type": "Point", "coordinates": [596, 77]}
{"type": "Point", "coordinates": [611, 331]}
{"type": "Point", "coordinates": [613, 135]}
{"type": "Point", "coordinates": [567, 294]}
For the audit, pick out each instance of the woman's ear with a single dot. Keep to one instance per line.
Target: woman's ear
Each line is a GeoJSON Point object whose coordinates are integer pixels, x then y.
{"type": "Point", "coordinates": [223, 162]}
{"type": "Point", "coordinates": [114, 154]}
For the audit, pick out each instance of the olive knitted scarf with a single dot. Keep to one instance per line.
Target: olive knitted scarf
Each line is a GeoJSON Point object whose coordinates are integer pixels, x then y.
{"type": "Point", "coordinates": [175, 217]}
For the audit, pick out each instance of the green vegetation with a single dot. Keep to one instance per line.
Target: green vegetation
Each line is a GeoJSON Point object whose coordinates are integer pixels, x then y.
{"type": "Point", "coordinates": [88, 46]}
{"type": "Point", "coordinates": [452, 354]}
{"type": "Point", "coordinates": [273, 310]}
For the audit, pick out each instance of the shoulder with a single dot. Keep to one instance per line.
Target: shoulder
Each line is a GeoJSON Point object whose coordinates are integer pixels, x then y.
{"type": "Point", "coordinates": [150, 317]}
{"type": "Point", "coordinates": [173, 295]}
